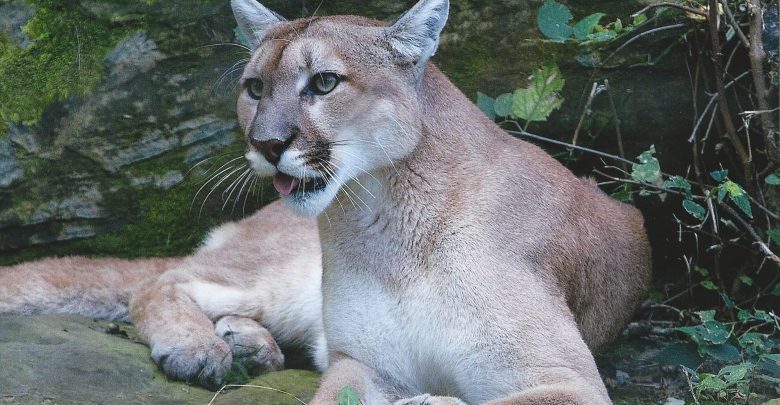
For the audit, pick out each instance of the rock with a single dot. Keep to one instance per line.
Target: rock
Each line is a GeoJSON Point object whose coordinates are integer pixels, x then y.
{"type": "Point", "coordinates": [156, 96]}
{"type": "Point", "coordinates": [74, 360]}
{"type": "Point", "coordinates": [132, 56]}
{"type": "Point", "coordinates": [10, 171]}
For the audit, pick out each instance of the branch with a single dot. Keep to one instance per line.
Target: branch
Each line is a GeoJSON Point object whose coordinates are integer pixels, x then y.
{"type": "Point", "coordinates": [671, 5]}
{"type": "Point", "coordinates": [750, 230]}
{"type": "Point", "coordinates": [735, 25]}
{"type": "Point", "coordinates": [757, 56]}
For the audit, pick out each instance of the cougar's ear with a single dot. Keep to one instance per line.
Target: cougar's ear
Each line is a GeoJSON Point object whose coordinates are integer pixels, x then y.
{"type": "Point", "coordinates": [253, 20]}
{"type": "Point", "coordinates": [415, 36]}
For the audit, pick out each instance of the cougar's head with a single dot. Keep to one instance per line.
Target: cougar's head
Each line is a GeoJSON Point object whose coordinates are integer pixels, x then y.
{"type": "Point", "coordinates": [327, 100]}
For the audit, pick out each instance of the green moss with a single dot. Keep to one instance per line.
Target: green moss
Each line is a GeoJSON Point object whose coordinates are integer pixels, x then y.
{"type": "Point", "coordinates": [65, 59]}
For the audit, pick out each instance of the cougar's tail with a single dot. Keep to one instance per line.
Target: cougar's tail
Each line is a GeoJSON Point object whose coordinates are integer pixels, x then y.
{"type": "Point", "coordinates": [99, 288]}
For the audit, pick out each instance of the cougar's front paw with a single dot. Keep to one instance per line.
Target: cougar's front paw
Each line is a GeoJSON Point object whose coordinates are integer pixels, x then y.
{"type": "Point", "coordinates": [251, 344]}
{"type": "Point", "coordinates": [427, 399]}
{"type": "Point", "coordinates": [204, 359]}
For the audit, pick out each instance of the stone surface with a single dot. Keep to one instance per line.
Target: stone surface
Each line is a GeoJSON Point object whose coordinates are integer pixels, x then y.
{"type": "Point", "coordinates": [153, 95]}
{"type": "Point", "coordinates": [73, 360]}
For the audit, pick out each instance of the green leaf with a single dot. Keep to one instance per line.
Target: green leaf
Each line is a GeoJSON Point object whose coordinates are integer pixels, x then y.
{"type": "Point", "coordinates": [711, 382]}
{"type": "Point", "coordinates": [735, 373]}
{"type": "Point", "coordinates": [541, 98]}
{"type": "Point", "coordinates": [503, 105]}
{"type": "Point", "coordinates": [618, 25]}
{"type": "Point", "coordinates": [677, 182]}
{"type": "Point", "coordinates": [746, 280]}
{"type": "Point", "coordinates": [701, 270]}
{"type": "Point", "coordinates": [721, 194]}
{"type": "Point", "coordinates": [639, 19]}
{"type": "Point", "coordinates": [761, 315]}
{"type": "Point", "coordinates": [347, 396]}
{"type": "Point", "coordinates": [719, 175]}
{"type": "Point", "coordinates": [553, 21]}
{"type": "Point", "coordinates": [744, 315]}
{"type": "Point", "coordinates": [776, 290]}
{"type": "Point", "coordinates": [773, 179]}
{"type": "Point", "coordinates": [723, 352]}
{"type": "Point", "coordinates": [739, 196]}
{"type": "Point", "coordinates": [694, 209]}
{"type": "Point", "coordinates": [706, 316]}
{"type": "Point", "coordinates": [487, 105]}
{"type": "Point", "coordinates": [772, 357]}
{"type": "Point", "coordinates": [774, 235]}
{"type": "Point", "coordinates": [586, 26]}
{"type": "Point", "coordinates": [601, 36]}
{"type": "Point", "coordinates": [648, 169]}
{"type": "Point", "coordinates": [709, 285]}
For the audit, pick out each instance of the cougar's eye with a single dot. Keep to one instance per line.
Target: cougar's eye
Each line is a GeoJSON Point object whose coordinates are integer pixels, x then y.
{"type": "Point", "coordinates": [324, 83]}
{"type": "Point", "coordinates": [254, 87]}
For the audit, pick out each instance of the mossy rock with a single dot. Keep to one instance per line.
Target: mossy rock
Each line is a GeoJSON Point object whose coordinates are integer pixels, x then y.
{"type": "Point", "coordinates": [73, 360]}
{"type": "Point", "coordinates": [112, 103]}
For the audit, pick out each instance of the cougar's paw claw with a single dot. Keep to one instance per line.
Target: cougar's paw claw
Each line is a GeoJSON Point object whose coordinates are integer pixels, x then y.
{"type": "Point", "coordinates": [204, 360]}
{"type": "Point", "coordinates": [252, 345]}
{"type": "Point", "coordinates": [427, 399]}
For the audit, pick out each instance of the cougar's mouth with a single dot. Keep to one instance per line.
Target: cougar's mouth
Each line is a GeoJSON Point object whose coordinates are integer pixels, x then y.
{"type": "Point", "coordinates": [286, 184]}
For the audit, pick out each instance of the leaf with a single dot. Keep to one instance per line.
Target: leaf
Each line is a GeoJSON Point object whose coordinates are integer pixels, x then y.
{"type": "Point", "coordinates": [553, 21]}
{"type": "Point", "coordinates": [719, 175]}
{"type": "Point", "coordinates": [776, 290]}
{"type": "Point", "coordinates": [744, 316]}
{"type": "Point", "coordinates": [648, 169]}
{"type": "Point", "coordinates": [773, 179]}
{"type": "Point", "coordinates": [746, 280]}
{"type": "Point", "coordinates": [618, 25]}
{"type": "Point", "coordinates": [723, 352]}
{"type": "Point", "coordinates": [736, 372]}
{"type": "Point", "coordinates": [639, 19]}
{"type": "Point", "coordinates": [774, 235]}
{"type": "Point", "coordinates": [694, 209]}
{"type": "Point", "coordinates": [541, 98]}
{"type": "Point", "coordinates": [706, 316]}
{"type": "Point", "coordinates": [709, 285]}
{"type": "Point", "coordinates": [586, 26]}
{"type": "Point", "coordinates": [721, 194]}
{"type": "Point", "coordinates": [347, 396]}
{"type": "Point", "coordinates": [503, 105]}
{"type": "Point", "coordinates": [738, 196]}
{"type": "Point", "coordinates": [601, 36]}
{"type": "Point", "coordinates": [678, 182]}
{"type": "Point", "coordinates": [772, 357]}
{"type": "Point", "coordinates": [711, 382]}
{"type": "Point", "coordinates": [487, 105]}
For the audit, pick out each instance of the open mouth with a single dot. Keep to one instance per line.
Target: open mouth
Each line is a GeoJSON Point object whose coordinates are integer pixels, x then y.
{"type": "Point", "coordinates": [286, 184]}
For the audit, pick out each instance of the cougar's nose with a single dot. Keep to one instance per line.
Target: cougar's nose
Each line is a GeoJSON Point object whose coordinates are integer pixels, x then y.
{"type": "Point", "coordinates": [271, 149]}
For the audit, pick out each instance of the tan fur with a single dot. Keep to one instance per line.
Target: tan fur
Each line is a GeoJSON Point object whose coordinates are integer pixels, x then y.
{"type": "Point", "coordinates": [457, 261]}
{"type": "Point", "coordinates": [201, 312]}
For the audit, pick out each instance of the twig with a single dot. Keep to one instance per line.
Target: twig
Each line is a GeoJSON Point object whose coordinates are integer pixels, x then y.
{"type": "Point", "coordinates": [640, 35]}
{"type": "Point", "coordinates": [749, 229]}
{"type": "Point", "coordinates": [714, 98]}
{"type": "Point", "coordinates": [671, 5]}
{"type": "Point", "coordinates": [725, 112]}
{"type": "Point", "coordinates": [254, 386]}
{"type": "Point", "coordinates": [618, 134]}
{"type": "Point", "coordinates": [735, 25]}
{"type": "Point", "coordinates": [520, 132]}
{"type": "Point", "coordinates": [757, 56]}
{"type": "Point", "coordinates": [585, 111]}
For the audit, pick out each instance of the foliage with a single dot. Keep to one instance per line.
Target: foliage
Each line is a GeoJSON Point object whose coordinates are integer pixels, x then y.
{"type": "Point", "coordinates": [533, 103]}
{"type": "Point", "coordinates": [553, 21]}
{"type": "Point", "coordinates": [724, 206]}
{"type": "Point", "coordinates": [746, 355]}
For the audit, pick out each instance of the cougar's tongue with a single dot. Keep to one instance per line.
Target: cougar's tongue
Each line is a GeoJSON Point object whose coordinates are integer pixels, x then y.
{"type": "Point", "coordinates": [285, 184]}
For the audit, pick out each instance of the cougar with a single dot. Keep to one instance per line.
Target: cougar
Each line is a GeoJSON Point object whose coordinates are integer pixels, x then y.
{"type": "Point", "coordinates": [457, 265]}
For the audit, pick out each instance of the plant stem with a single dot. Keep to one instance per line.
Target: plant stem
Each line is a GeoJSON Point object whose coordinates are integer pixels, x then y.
{"type": "Point", "coordinates": [725, 112]}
